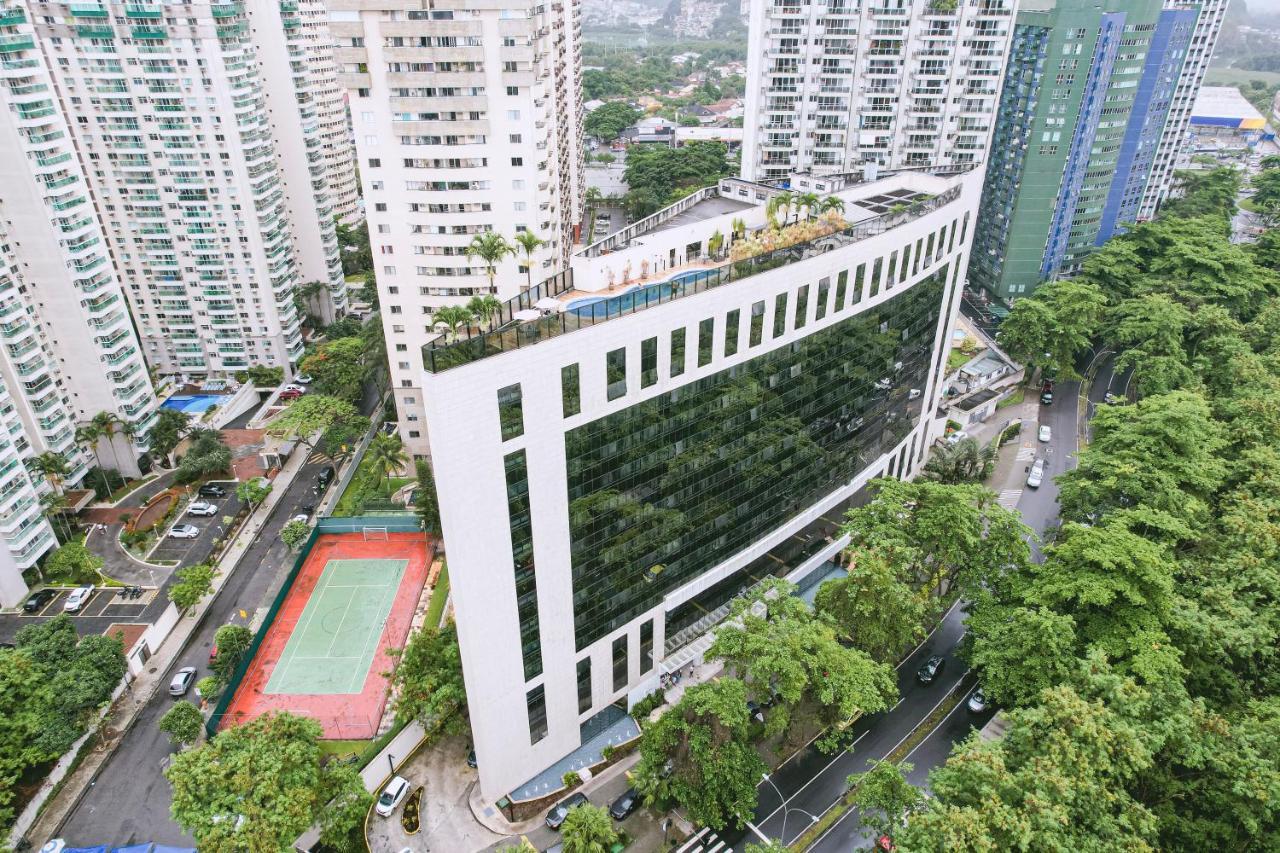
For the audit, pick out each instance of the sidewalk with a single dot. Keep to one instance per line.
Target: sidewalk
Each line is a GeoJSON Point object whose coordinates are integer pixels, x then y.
{"type": "Point", "coordinates": [494, 821]}
{"type": "Point", "coordinates": [144, 687]}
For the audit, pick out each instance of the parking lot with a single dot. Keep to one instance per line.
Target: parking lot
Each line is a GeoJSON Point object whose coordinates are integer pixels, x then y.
{"type": "Point", "coordinates": [189, 552]}
{"type": "Point", "coordinates": [106, 602]}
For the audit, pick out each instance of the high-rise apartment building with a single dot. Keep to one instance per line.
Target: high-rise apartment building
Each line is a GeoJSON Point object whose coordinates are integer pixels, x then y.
{"type": "Point", "coordinates": [832, 84]}
{"type": "Point", "coordinates": [467, 119]}
{"type": "Point", "coordinates": [197, 129]}
{"type": "Point", "coordinates": [634, 442]}
{"type": "Point", "coordinates": [1196, 62]}
{"type": "Point", "coordinates": [67, 348]}
{"type": "Point", "coordinates": [331, 106]}
{"type": "Point", "coordinates": [1085, 106]}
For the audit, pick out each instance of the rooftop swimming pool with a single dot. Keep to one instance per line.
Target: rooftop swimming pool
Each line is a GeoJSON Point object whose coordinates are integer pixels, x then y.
{"type": "Point", "coordinates": [641, 296]}
{"type": "Point", "coordinates": [192, 404]}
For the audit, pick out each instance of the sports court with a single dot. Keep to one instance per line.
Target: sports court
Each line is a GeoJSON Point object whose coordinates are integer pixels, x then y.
{"type": "Point", "coordinates": [325, 654]}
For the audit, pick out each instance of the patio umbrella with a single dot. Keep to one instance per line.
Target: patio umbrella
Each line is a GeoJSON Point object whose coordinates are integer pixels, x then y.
{"type": "Point", "coordinates": [548, 303]}
{"type": "Point", "coordinates": [527, 315]}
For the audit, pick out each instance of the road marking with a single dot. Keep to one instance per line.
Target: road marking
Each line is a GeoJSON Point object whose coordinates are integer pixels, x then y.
{"type": "Point", "coordinates": [1026, 453]}
{"type": "Point", "coordinates": [890, 752]}
{"type": "Point", "coordinates": [959, 705]}
{"type": "Point", "coordinates": [1009, 498]}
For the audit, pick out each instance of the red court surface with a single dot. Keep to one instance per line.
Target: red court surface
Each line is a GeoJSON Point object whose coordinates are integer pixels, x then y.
{"type": "Point", "coordinates": [342, 716]}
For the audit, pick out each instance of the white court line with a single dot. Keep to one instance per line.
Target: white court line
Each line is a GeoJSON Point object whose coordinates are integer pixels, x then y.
{"type": "Point", "coordinates": [283, 663]}
{"type": "Point", "coordinates": [378, 625]}
{"type": "Point", "coordinates": [337, 632]}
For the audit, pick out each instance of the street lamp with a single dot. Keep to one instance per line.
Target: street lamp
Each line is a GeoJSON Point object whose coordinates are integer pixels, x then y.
{"type": "Point", "coordinates": [391, 763]}
{"type": "Point", "coordinates": [787, 810]}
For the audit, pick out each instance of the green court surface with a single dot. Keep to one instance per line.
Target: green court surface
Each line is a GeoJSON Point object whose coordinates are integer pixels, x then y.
{"type": "Point", "coordinates": [333, 644]}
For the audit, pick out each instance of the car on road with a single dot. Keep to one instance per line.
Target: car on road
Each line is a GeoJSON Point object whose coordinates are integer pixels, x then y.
{"type": "Point", "coordinates": [293, 386]}
{"type": "Point", "coordinates": [182, 681]}
{"type": "Point", "coordinates": [302, 516]}
{"type": "Point", "coordinates": [184, 531]}
{"type": "Point", "coordinates": [977, 701]}
{"type": "Point", "coordinates": [391, 795]}
{"type": "Point", "coordinates": [202, 508]}
{"type": "Point", "coordinates": [1036, 476]}
{"type": "Point", "coordinates": [561, 810]}
{"type": "Point", "coordinates": [211, 490]}
{"type": "Point", "coordinates": [1112, 399]}
{"type": "Point", "coordinates": [289, 395]}
{"type": "Point", "coordinates": [1046, 398]}
{"type": "Point", "coordinates": [38, 600]}
{"type": "Point", "coordinates": [931, 669]}
{"type": "Point", "coordinates": [626, 803]}
{"type": "Point", "coordinates": [1045, 433]}
{"type": "Point", "coordinates": [324, 478]}
{"type": "Point", "coordinates": [77, 599]}
{"type": "Point", "coordinates": [303, 379]}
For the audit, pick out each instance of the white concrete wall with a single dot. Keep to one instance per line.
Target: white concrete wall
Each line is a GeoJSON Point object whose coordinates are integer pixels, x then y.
{"type": "Point", "coordinates": [468, 451]}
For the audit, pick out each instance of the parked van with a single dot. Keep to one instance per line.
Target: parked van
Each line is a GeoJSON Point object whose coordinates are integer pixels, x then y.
{"type": "Point", "coordinates": [1036, 477]}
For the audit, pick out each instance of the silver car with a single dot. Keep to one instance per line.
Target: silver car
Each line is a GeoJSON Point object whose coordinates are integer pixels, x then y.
{"type": "Point", "coordinates": [184, 531]}
{"type": "Point", "coordinates": [182, 681]}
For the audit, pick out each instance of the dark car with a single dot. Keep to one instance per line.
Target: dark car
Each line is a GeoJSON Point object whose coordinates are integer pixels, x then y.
{"type": "Point", "coordinates": [471, 759]}
{"type": "Point", "coordinates": [624, 805]}
{"type": "Point", "coordinates": [754, 712]}
{"type": "Point", "coordinates": [560, 810]}
{"type": "Point", "coordinates": [324, 478]}
{"type": "Point", "coordinates": [212, 490]}
{"type": "Point", "coordinates": [38, 600]}
{"type": "Point", "coordinates": [931, 669]}
{"type": "Point", "coordinates": [1046, 399]}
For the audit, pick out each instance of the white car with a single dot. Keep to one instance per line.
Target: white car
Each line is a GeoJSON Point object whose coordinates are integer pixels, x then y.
{"type": "Point", "coordinates": [202, 508]}
{"type": "Point", "coordinates": [184, 531]}
{"type": "Point", "coordinates": [1036, 477]}
{"type": "Point", "coordinates": [182, 681]}
{"type": "Point", "coordinates": [301, 389]}
{"type": "Point", "coordinates": [303, 517]}
{"type": "Point", "coordinates": [77, 599]}
{"type": "Point", "coordinates": [1045, 433]}
{"type": "Point", "coordinates": [303, 379]}
{"type": "Point", "coordinates": [957, 437]}
{"type": "Point", "coordinates": [391, 795]}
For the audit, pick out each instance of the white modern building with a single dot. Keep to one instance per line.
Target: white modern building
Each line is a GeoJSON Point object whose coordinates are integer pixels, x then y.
{"type": "Point", "coordinates": [467, 119]}
{"type": "Point", "coordinates": [331, 108]}
{"type": "Point", "coordinates": [198, 131]}
{"type": "Point", "coordinates": [1174, 137]}
{"type": "Point", "coordinates": [67, 349]}
{"type": "Point", "coordinates": [833, 85]}
{"type": "Point", "coordinates": [678, 416]}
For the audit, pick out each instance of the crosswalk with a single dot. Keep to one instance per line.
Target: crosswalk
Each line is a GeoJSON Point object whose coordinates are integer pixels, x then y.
{"type": "Point", "coordinates": [705, 841]}
{"type": "Point", "coordinates": [1009, 498]}
{"type": "Point", "coordinates": [1027, 453]}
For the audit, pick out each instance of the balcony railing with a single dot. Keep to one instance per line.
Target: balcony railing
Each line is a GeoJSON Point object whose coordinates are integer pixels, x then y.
{"type": "Point", "coordinates": [507, 333]}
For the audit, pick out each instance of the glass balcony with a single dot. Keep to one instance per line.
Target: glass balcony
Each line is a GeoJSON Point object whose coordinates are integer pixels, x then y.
{"type": "Point", "coordinates": [88, 10]}
{"type": "Point", "coordinates": [11, 17]}
{"type": "Point", "coordinates": [16, 43]}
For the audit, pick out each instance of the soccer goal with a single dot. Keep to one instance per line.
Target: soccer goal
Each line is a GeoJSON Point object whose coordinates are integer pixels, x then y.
{"type": "Point", "coordinates": [375, 534]}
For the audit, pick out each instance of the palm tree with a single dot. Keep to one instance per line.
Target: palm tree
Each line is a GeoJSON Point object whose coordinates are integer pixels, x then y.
{"type": "Point", "coordinates": [592, 197]}
{"type": "Point", "coordinates": [86, 438]}
{"type": "Point", "coordinates": [386, 455]}
{"type": "Point", "coordinates": [108, 424]}
{"type": "Point", "coordinates": [53, 467]}
{"type": "Point", "coordinates": [528, 242]}
{"type": "Point", "coordinates": [966, 461]}
{"type": "Point", "coordinates": [53, 505]}
{"type": "Point", "coordinates": [780, 202]}
{"type": "Point", "coordinates": [484, 307]}
{"type": "Point", "coordinates": [810, 202]}
{"type": "Point", "coordinates": [831, 203]}
{"type": "Point", "coordinates": [490, 247]}
{"type": "Point", "coordinates": [451, 317]}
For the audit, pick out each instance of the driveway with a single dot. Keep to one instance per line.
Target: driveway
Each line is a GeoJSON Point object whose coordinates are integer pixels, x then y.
{"type": "Point", "coordinates": [189, 552]}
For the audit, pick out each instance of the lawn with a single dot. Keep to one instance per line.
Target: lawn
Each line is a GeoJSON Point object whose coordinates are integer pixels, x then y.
{"type": "Point", "coordinates": [957, 358]}
{"type": "Point", "coordinates": [340, 749]}
{"type": "Point", "coordinates": [358, 493]}
{"type": "Point", "coordinates": [439, 595]}
{"type": "Point", "coordinates": [1013, 399]}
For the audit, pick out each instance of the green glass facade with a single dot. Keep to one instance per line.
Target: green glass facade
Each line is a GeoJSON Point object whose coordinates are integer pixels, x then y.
{"type": "Point", "coordinates": [664, 490]}
{"type": "Point", "coordinates": [517, 474]}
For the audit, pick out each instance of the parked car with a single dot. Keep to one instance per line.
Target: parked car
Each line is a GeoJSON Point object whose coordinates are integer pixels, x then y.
{"type": "Point", "coordinates": [957, 437]}
{"type": "Point", "coordinates": [289, 395]}
{"type": "Point", "coordinates": [1036, 476]}
{"type": "Point", "coordinates": [301, 516]}
{"type": "Point", "coordinates": [977, 701]}
{"type": "Point", "coordinates": [38, 600]}
{"type": "Point", "coordinates": [1046, 399]}
{"type": "Point", "coordinates": [1045, 433]}
{"type": "Point", "coordinates": [754, 712]}
{"type": "Point", "coordinates": [931, 669]}
{"type": "Point", "coordinates": [471, 759]}
{"type": "Point", "coordinates": [213, 653]}
{"type": "Point", "coordinates": [624, 805]}
{"type": "Point", "coordinates": [77, 599]}
{"type": "Point", "coordinates": [293, 386]}
{"type": "Point", "coordinates": [391, 795]}
{"type": "Point", "coordinates": [303, 379]}
{"type": "Point", "coordinates": [184, 531]}
{"type": "Point", "coordinates": [202, 508]}
{"type": "Point", "coordinates": [182, 681]}
{"type": "Point", "coordinates": [1112, 399]}
{"type": "Point", "coordinates": [324, 478]}
{"type": "Point", "coordinates": [560, 810]}
{"type": "Point", "coordinates": [211, 490]}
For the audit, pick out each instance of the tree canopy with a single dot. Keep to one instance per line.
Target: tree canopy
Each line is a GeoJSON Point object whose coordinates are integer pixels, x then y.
{"type": "Point", "coordinates": [338, 368]}
{"type": "Point", "coordinates": [427, 679]}
{"type": "Point", "coordinates": [610, 120]}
